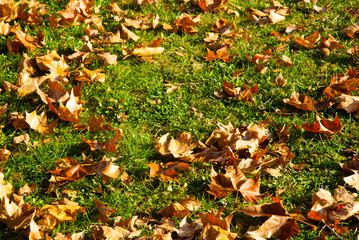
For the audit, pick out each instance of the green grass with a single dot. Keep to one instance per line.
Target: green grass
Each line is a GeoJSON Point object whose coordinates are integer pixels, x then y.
{"type": "Point", "coordinates": [133, 85]}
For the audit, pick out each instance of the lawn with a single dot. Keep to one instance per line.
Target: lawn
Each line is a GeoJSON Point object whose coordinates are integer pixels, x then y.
{"type": "Point", "coordinates": [259, 100]}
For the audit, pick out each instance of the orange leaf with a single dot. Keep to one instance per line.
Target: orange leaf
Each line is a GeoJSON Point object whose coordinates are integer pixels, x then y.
{"type": "Point", "coordinates": [324, 126]}
{"type": "Point", "coordinates": [110, 145]}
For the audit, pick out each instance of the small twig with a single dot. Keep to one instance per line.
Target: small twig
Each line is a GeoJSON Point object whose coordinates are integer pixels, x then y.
{"type": "Point", "coordinates": [336, 234]}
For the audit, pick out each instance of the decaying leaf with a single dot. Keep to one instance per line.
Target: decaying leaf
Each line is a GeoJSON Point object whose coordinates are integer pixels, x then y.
{"type": "Point", "coordinates": [337, 207]}
{"type": "Point", "coordinates": [39, 122]}
{"type": "Point", "coordinates": [168, 171]}
{"type": "Point", "coordinates": [52, 215]}
{"type": "Point", "coordinates": [178, 148]}
{"type": "Point", "coordinates": [146, 50]}
{"type": "Point", "coordinates": [351, 30]}
{"type": "Point", "coordinates": [185, 22]}
{"type": "Point", "coordinates": [281, 224]}
{"type": "Point", "coordinates": [236, 92]}
{"type": "Point", "coordinates": [308, 42]}
{"type": "Point", "coordinates": [326, 127]}
{"type": "Point", "coordinates": [110, 145]}
{"type": "Point", "coordinates": [306, 103]}
{"type": "Point", "coordinates": [221, 53]}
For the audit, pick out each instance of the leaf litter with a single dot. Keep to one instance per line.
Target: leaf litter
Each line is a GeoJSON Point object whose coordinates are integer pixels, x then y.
{"type": "Point", "coordinates": [238, 156]}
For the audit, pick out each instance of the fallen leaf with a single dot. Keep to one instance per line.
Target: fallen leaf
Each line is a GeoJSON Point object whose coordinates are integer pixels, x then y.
{"type": "Point", "coordinates": [308, 42]}
{"type": "Point", "coordinates": [178, 148]}
{"type": "Point", "coordinates": [351, 30]}
{"type": "Point", "coordinates": [306, 103]}
{"type": "Point", "coordinates": [326, 127]}
{"type": "Point", "coordinates": [52, 215]}
{"type": "Point", "coordinates": [280, 81]}
{"type": "Point", "coordinates": [110, 145]}
{"type": "Point", "coordinates": [167, 171]}
{"type": "Point", "coordinates": [220, 54]}
{"type": "Point", "coordinates": [39, 123]}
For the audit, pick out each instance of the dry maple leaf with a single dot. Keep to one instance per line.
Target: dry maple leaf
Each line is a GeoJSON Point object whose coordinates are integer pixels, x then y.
{"type": "Point", "coordinates": [97, 124]}
{"type": "Point", "coordinates": [215, 232]}
{"type": "Point", "coordinates": [213, 225]}
{"type": "Point", "coordinates": [54, 64]}
{"type": "Point", "coordinates": [5, 188]}
{"type": "Point", "coordinates": [106, 232]}
{"type": "Point", "coordinates": [107, 57]}
{"type": "Point", "coordinates": [234, 180]}
{"type": "Point", "coordinates": [67, 169]}
{"type": "Point", "coordinates": [71, 111]}
{"type": "Point", "coordinates": [280, 81]}
{"type": "Point", "coordinates": [236, 92]}
{"type": "Point", "coordinates": [23, 40]}
{"type": "Point", "coordinates": [211, 5]}
{"type": "Point", "coordinates": [306, 103]}
{"type": "Point", "coordinates": [337, 207]}
{"type": "Point", "coordinates": [4, 156]}
{"type": "Point", "coordinates": [87, 75]}
{"type": "Point", "coordinates": [103, 212]}
{"type": "Point", "coordinates": [281, 224]}
{"type": "Point", "coordinates": [326, 127]}
{"type": "Point", "coordinates": [185, 22]}
{"type": "Point", "coordinates": [52, 215]}
{"type": "Point", "coordinates": [15, 214]}
{"type": "Point", "coordinates": [174, 209]}
{"type": "Point", "coordinates": [351, 30]}
{"type": "Point", "coordinates": [308, 42]}
{"type": "Point", "coordinates": [110, 145]}
{"type": "Point", "coordinates": [349, 103]}
{"type": "Point", "coordinates": [221, 53]}
{"type": "Point", "coordinates": [167, 171]}
{"type": "Point", "coordinates": [178, 148]}
{"type": "Point", "coordinates": [56, 93]}
{"type": "Point", "coordinates": [39, 122]}
{"type": "Point", "coordinates": [330, 43]}
{"type": "Point", "coordinates": [142, 22]}
{"type": "Point", "coordinates": [146, 50]}
{"type": "Point", "coordinates": [35, 233]}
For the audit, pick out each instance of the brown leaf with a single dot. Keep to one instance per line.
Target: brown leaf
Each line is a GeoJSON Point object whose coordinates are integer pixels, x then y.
{"type": "Point", "coordinates": [174, 209]}
{"type": "Point", "coordinates": [103, 212]}
{"type": "Point", "coordinates": [348, 102]}
{"type": "Point", "coordinates": [211, 5]}
{"type": "Point", "coordinates": [5, 188]}
{"type": "Point", "coordinates": [167, 172]}
{"type": "Point", "coordinates": [105, 232]}
{"type": "Point", "coordinates": [15, 214]}
{"type": "Point", "coordinates": [280, 81]}
{"type": "Point", "coordinates": [185, 22]}
{"type": "Point", "coordinates": [24, 40]}
{"type": "Point", "coordinates": [110, 145]}
{"type": "Point", "coordinates": [35, 233]}
{"type": "Point", "coordinates": [52, 215]}
{"type": "Point", "coordinates": [97, 124]}
{"type": "Point", "coordinates": [220, 54]}
{"type": "Point", "coordinates": [87, 75]}
{"type": "Point", "coordinates": [178, 148]}
{"type": "Point", "coordinates": [351, 30]}
{"type": "Point", "coordinates": [39, 123]}
{"type": "Point", "coordinates": [284, 61]}
{"type": "Point", "coordinates": [214, 219]}
{"type": "Point", "coordinates": [308, 42]}
{"type": "Point", "coordinates": [107, 57]}
{"type": "Point", "coordinates": [327, 127]}
{"type": "Point", "coordinates": [146, 50]}
{"type": "Point", "coordinates": [306, 103]}
{"type": "Point", "coordinates": [281, 227]}
{"type": "Point", "coordinates": [215, 232]}
{"type": "Point", "coordinates": [56, 93]}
